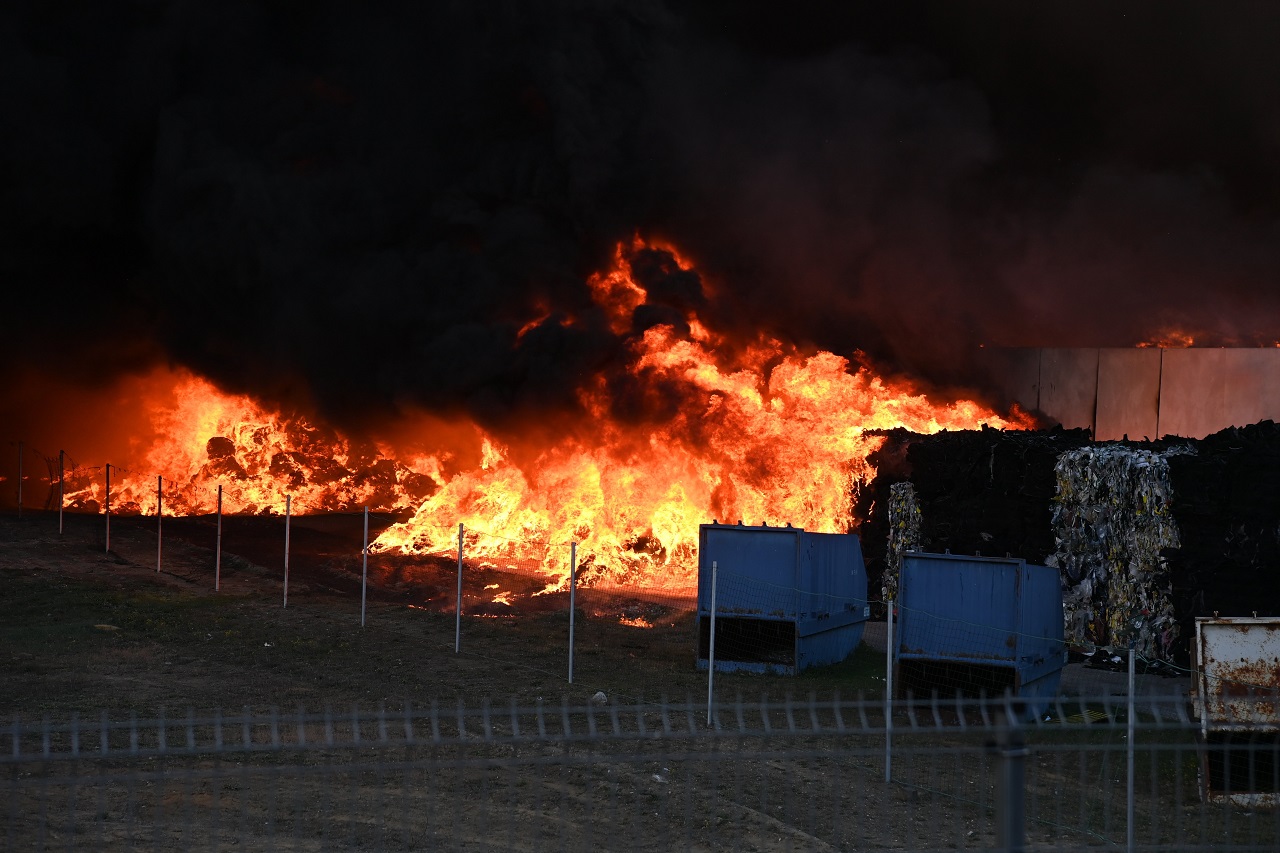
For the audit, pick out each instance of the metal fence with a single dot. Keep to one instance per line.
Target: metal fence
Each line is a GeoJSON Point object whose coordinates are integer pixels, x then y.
{"type": "Point", "coordinates": [764, 775]}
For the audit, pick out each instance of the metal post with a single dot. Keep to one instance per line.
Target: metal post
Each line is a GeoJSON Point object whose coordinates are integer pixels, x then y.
{"type": "Point", "coordinates": [1010, 805]}
{"type": "Point", "coordinates": [19, 479]}
{"type": "Point", "coordinates": [711, 647]}
{"type": "Point", "coordinates": [364, 565]}
{"type": "Point", "coordinates": [1129, 834]}
{"type": "Point", "coordinates": [159, 520]}
{"type": "Point", "coordinates": [107, 507]}
{"type": "Point", "coordinates": [457, 618]}
{"type": "Point", "coordinates": [217, 560]}
{"type": "Point", "coordinates": [62, 479]}
{"type": "Point", "coordinates": [288, 511]}
{"type": "Point", "coordinates": [888, 694]}
{"type": "Point", "coordinates": [573, 588]}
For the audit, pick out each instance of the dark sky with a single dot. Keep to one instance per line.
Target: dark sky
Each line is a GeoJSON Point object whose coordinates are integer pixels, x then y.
{"type": "Point", "coordinates": [363, 202]}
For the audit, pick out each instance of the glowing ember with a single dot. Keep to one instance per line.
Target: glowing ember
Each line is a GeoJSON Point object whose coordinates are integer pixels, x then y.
{"type": "Point", "coordinates": [761, 432]}
{"type": "Point", "coordinates": [637, 622]}
{"type": "Point", "coordinates": [1172, 339]}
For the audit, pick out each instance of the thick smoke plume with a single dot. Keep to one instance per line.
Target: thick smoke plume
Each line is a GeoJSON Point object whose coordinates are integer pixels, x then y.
{"type": "Point", "coordinates": [360, 206]}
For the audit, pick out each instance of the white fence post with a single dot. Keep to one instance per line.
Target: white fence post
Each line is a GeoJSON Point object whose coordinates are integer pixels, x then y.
{"type": "Point", "coordinates": [573, 587]}
{"type": "Point", "coordinates": [457, 619]}
{"type": "Point", "coordinates": [711, 648]}
{"type": "Point", "coordinates": [159, 520]}
{"type": "Point", "coordinates": [19, 479]}
{"type": "Point", "coordinates": [217, 560]}
{"type": "Point", "coordinates": [62, 480]}
{"type": "Point", "coordinates": [364, 565]}
{"type": "Point", "coordinates": [288, 512]}
{"type": "Point", "coordinates": [107, 507]}
{"type": "Point", "coordinates": [888, 693]}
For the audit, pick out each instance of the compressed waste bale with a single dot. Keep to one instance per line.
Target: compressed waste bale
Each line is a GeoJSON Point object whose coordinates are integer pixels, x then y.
{"type": "Point", "coordinates": [904, 534]}
{"type": "Point", "coordinates": [1112, 523]}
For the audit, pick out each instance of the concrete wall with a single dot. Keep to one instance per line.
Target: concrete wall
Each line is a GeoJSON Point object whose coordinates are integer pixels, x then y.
{"type": "Point", "coordinates": [1141, 393]}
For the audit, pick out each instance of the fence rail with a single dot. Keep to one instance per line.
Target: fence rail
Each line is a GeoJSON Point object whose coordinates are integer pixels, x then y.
{"type": "Point", "coordinates": [765, 775]}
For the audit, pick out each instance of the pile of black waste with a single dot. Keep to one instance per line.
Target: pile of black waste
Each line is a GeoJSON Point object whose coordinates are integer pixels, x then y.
{"type": "Point", "coordinates": [979, 491]}
{"type": "Point", "coordinates": [994, 493]}
{"type": "Point", "coordinates": [1226, 500]}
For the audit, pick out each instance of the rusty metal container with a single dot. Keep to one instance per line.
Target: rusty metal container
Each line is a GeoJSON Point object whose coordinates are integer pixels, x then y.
{"type": "Point", "coordinates": [1236, 695]}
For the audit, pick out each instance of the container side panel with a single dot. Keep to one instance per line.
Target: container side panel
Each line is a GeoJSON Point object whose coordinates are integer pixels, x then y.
{"type": "Point", "coordinates": [756, 570]}
{"type": "Point", "coordinates": [1041, 634]}
{"type": "Point", "coordinates": [958, 608]}
{"type": "Point", "coordinates": [833, 579]}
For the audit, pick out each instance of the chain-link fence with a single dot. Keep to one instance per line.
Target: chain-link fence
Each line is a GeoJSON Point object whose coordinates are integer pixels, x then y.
{"type": "Point", "coordinates": [764, 775]}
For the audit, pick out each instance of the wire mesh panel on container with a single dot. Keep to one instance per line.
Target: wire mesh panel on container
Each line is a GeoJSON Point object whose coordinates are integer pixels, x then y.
{"type": "Point", "coordinates": [651, 777]}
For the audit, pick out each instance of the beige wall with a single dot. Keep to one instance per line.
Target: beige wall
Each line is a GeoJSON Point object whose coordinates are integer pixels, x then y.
{"type": "Point", "coordinates": [1142, 393]}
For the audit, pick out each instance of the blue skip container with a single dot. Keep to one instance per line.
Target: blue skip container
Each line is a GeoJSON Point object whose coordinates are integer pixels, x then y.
{"type": "Point", "coordinates": [980, 625]}
{"type": "Point", "coordinates": [785, 599]}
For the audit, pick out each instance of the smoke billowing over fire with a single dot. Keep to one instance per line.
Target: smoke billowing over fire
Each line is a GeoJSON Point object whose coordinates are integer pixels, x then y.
{"type": "Point", "coordinates": [400, 220]}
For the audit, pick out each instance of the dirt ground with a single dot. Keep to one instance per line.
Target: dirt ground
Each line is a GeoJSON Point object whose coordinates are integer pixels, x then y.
{"type": "Point", "coordinates": [85, 628]}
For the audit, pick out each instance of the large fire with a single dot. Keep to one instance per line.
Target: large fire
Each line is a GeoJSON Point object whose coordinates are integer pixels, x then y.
{"type": "Point", "coordinates": [764, 434]}
{"type": "Point", "coordinates": [755, 431]}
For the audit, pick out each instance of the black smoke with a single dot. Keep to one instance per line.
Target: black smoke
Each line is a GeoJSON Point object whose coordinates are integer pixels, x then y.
{"type": "Point", "coordinates": [363, 204]}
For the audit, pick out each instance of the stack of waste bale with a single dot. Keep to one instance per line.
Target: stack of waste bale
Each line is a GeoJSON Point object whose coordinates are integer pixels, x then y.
{"type": "Point", "coordinates": [1113, 522]}
{"type": "Point", "coordinates": [1227, 504]}
{"type": "Point", "coordinates": [977, 491]}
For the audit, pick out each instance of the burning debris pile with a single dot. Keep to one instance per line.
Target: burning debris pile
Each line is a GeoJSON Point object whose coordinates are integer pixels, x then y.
{"type": "Point", "coordinates": [1112, 524]}
{"type": "Point", "coordinates": [1147, 535]}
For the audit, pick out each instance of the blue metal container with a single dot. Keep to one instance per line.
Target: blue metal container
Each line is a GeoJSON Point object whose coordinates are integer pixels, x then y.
{"type": "Point", "coordinates": [980, 625]}
{"type": "Point", "coordinates": [786, 599]}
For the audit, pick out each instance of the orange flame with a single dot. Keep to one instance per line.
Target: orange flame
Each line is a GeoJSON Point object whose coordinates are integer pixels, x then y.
{"type": "Point", "coordinates": [206, 438]}
{"type": "Point", "coordinates": [762, 433]}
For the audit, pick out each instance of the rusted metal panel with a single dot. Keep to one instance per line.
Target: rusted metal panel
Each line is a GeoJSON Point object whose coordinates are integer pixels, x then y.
{"type": "Point", "coordinates": [1128, 393]}
{"type": "Point", "coordinates": [1238, 674]}
{"type": "Point", "coordinates": [1069, 386]}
